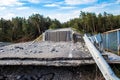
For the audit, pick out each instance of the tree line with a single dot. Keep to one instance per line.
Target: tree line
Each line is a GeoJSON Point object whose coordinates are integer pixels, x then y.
{"type": "Point", "coordinates": [21, 29]}
{"type": "Point", "coordinates": [92, 23]}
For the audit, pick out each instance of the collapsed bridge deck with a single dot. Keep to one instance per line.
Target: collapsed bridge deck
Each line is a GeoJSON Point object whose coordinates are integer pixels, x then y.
{"type": "Point", "coordinates": [45, 53]}
{"type": "Point", "coordinates": [62, 47]}
{"type": "Point", "coordinates": [48, 54]}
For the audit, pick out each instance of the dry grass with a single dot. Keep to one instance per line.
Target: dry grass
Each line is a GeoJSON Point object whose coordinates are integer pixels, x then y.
{"type": "Point", "coordinates": [39, 38]}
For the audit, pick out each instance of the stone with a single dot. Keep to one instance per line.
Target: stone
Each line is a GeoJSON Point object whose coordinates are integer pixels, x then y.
{"type": "Point", "coordinates": [53, 49]}
{"type": "Point", "coordinates": [17, 47]}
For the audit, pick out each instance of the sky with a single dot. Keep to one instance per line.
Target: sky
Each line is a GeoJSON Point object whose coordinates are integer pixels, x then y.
{"type": "Point", "coordinates": [62, 10]}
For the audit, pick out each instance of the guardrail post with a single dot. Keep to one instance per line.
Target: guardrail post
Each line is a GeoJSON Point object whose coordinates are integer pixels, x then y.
{"type": "Point", "coordinates": [118, 41]}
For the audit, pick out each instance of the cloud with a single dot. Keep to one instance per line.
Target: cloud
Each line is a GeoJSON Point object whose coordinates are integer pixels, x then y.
{"type": "Point", "coordinates": [105, 7]}
{"type": "Point", "coordinates": [67, 7]}
{"type": "Point", "coordinates": [59, 6]}
{"type": "Point", "coordinates": [51, 5]}
{"type": "Point", "coordinates": [22, 8]}
{"type": "Point", "coordinates": [77, 2]}
{"type": "Point", "coordinates": [63, 17]}
{"type": "Point", "coordinates": [10, 3]}
{"type": "Point", "coordinates": [34, 1]}
{"type": "Point", "coordinates": [2, 8]}
{"type": "Point", "coordinates": [63, 11]}
{"type": "Point", "coordinates": [11, 12]}
{"type": "Point", "coordinates": [8, 15]}
{"type": "Point", "coordinates": [118, 1]}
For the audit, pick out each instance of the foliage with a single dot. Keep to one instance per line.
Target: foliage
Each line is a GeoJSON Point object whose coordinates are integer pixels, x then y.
{"type": "Point", "coordinates": [20, 29]}
{"type": "Point", "coordinates": [92, 23]}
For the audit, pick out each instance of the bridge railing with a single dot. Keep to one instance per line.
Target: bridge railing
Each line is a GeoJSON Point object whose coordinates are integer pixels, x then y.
{"type": "Point", "coordinates": [100, 61]}
{"type": "Point", "coordinates": [111, 41]}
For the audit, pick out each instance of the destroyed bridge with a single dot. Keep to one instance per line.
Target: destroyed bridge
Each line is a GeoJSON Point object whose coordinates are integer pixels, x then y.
{"type": "Point", "coordinates": [65, 47]}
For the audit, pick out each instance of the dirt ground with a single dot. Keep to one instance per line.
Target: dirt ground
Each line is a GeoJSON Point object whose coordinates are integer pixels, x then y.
{"type": "Point", "coordinates": [87, 72]}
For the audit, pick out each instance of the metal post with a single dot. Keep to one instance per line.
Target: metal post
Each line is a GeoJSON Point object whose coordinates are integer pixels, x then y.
{"type": "Point", "coordinates": [44, 36]}
{"type": "Point", "coordinates": [118, 41]}
{"type": "Point", "coordinates": [107, 42]}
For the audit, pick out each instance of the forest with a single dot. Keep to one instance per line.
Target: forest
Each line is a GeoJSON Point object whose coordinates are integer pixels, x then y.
{"type": "Point", "coordinates": [20, 29]}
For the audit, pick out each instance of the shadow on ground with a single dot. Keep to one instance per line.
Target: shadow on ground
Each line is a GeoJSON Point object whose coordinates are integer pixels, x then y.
{"type": "Point", "coordinates": [87, 72]}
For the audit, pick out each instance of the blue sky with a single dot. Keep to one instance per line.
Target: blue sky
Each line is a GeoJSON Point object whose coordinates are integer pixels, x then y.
{"type": "Point", "coordinates": [62, 10]}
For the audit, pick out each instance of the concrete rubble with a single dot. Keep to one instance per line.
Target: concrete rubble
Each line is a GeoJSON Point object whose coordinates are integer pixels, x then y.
{"type": "Point", "coordinates": [47, 72]}
{"type": "Point", "coordinates": [53, 53]}
{"type": "Point", "coordinates": [44, 47]}
{"type": "Point", "coordinates": [45, 50]}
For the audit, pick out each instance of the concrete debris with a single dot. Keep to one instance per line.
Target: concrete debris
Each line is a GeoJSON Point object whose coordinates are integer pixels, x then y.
{"type": "Point", "coordinates": [45, 49]}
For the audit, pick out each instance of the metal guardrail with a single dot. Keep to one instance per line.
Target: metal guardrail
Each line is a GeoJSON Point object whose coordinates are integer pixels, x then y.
{"type": "Point", "coordinates": [100, 61]}
{"type": "Point", "coordinates": [111, 41]}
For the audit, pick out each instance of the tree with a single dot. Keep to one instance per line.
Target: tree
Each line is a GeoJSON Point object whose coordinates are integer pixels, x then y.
{"type": "Point", "coordinates": [21, 29]}
{"type": "Point", "coordinates": [17, 28]}
{"type": "Point", "coordinates": [55, 24]}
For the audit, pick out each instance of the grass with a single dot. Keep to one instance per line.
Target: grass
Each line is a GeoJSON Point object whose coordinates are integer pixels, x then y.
{"type": "Point", "coordinates": [40, 38]}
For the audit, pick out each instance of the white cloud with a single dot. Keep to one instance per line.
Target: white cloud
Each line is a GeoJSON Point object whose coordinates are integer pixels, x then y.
{"type": "Point", "coordinates": [105, 7]}
{"type": "Point", "coordinates": [2, 8]}
{"type": "Point", "coordinates": [77, 2]}
{"type": "Point", "coordinates": [62, 13]}
{"type": "Point", "coordinates": [34, 1]}
{"type": "Point", "coordinates": [118, 1]}
{"type": "Point", "coordinates": [22, 8]}
{"type": "Point", "coordinates": [67, 7]}
{"type": "Point", "coordinates": [10, 3]}
{"type": "Point", "coordinates": [51, 5]}
{"type": "Point", "coordinates": [8, 15]}
{"type": "Point", "coordinates": [63, 17]}
{"type": "Point", "coordinates": [58, 5]}
{"type": "Point", "coordinates": [16, 11]}
{"type": "Point", "coordinates": [95, 8]}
